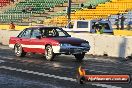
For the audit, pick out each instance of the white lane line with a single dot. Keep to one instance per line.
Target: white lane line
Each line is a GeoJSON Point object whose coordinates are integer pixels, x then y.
{"type": "Point", "coordinates": [4, 47]}
{"type": "Point", "coordinates": [1, 61]}
{"type": "Point", "coordinates": [37, 73]}
{"type": "Point", "coordinates": [101, 65]}
{"type": "Point", "coordinates": [105, 86]}
{"type": "Point", "coordinates": [53, 76]}
{"type": "Point", "coordinates": [54, 65]}
{"type": "Point", "coordinates": [101, 59]}
{"type": "Point", "coordinates": [60, 66]}
{"type": "Point", "coordinates": [9, 58]}
{"type": "Point", "coordinates": [96, 71]}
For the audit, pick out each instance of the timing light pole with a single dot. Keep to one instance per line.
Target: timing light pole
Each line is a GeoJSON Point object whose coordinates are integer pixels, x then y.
{"type": "Point", "coordinates": [69, 11]}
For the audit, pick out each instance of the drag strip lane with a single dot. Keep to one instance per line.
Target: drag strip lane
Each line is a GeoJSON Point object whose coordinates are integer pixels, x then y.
{"type": "Point", "coordinates": [54, 76]}
{"type": "Point", "coordinates": [60, 69]}
{"type": "Point", "coordinates": [96, 67]}
{"type": "Point", "coordinates": [59, 77]}
{"type": "Point", "coordinates": [1, 61]}
{"type": "Point", "coordinates": [37, 73]}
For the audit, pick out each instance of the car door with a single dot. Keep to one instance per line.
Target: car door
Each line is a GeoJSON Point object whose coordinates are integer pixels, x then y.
{"type": "Point", "coordinates": [37, 41]}
{"type": "Point", "coordinates": [24, 40]}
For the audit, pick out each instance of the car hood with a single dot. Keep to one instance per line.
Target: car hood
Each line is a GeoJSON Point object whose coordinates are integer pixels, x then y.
{"type": "Point", "coordinates": [70, 40]}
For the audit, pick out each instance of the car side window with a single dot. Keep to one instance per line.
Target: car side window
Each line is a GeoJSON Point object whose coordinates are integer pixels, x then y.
{"type": "Point", "coordinates": [106, 26]}
{"type": "Point", "coordinates": [50, 33]}
{"type": "Point", "coordinates": [35, 33]}
{"type": "Point", "coordinates": [26, 34]}
{"type": "Point", "coordinates": [60, 33]}
{"type": "Point", "coordinates": [21, 33]}
{"type": "Point", "coordinates": [81, 24]}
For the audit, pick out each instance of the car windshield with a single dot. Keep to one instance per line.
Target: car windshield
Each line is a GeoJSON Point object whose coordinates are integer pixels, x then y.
{"type": "Point", "coordinates": [54, 32]}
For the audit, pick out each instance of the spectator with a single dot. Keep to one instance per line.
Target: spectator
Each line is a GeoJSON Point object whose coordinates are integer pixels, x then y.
{"type": "Point", "coordinates": [24, 10]}
{"type": "Point", "coordinates": [12, 26]}
{"type": "Point", "coordinates": [90, 6]}
{"type": "Point", "coordinates": [94, 7]}
{"type": "Point", "coordinates": [122, 22]}
{"type": "Point", "coordinates": [51, 9]}
{"type": "Point", "coordinates": [82, 5]}
{"type": "Point", "coordinates": [97, 28]}
{"type": "Point", "coordinates": [129, 25]}
{"type": "Point", "coordinates": [82, 18]}
{"type": "Point", "coordinates": [97, 31]}
{"type": "Point", "coordinates": [117, 23]}
{"type": "Point", "coordinates": [13, 1]}
{"type": "Point", "coordinates": [102, 29]}
{"type": "Point", "coordinates": [29, 8]}
{"type": "Point", "coordinates": [93, 27]}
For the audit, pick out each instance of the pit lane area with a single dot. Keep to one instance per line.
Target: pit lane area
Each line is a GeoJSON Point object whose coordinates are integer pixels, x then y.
{"type": "Point", "coordinates": [33, 71]}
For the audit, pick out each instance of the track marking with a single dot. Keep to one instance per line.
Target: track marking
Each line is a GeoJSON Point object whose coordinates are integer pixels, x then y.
{"type": "Point", "coordinates": [37, 73]}
{"type": "Point", "coordinates": [54, 76]}
{"type": "Point", "coordinates": [102, 60]}
{"type": "Point", "coordinates": [53, 65]}
{"type": "Point", "coordinates": [105, 86]}
{"type": "Point", "coordinates": [9, 58]}
{"type": "Point", "coordinates": [1, 61]}
{"type": "Point", "coordinates": [61, 66]}
{"type": "Point", "coordinates": [96, 71]}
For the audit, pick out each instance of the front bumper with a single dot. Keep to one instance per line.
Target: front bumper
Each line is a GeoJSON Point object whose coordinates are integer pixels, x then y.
{"type": "Point", "coordinates": [74, 50]}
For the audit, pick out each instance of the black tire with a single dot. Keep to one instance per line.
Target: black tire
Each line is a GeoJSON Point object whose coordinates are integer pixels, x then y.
{"type": "Point", "coordinates": [79, 57]}
{"type": "Point", "coordinates": [81, 79]}
{"type": "Point", "coordinates": [49, 53]}
{"type": "Point", "coordinates": [19, 51]}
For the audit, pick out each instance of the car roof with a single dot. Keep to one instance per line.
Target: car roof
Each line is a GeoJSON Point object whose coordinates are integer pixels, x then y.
{"type": "Point", "coordinates": [42, 27]}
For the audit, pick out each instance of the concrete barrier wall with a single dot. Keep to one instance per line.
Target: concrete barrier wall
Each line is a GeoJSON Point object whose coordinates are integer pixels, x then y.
{"type": "Point", "coordinates": [17, 27]}
{"type": "Point", "coordinates": [6, 34]}
{"type": "Point", "coordinates": [114, 46]}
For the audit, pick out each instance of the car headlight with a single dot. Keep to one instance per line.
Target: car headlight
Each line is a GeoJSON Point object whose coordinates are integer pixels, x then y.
{"type": "Point", "coordinates": [65, 44]}
{"type": "Point", "coordinates": [85, 44]}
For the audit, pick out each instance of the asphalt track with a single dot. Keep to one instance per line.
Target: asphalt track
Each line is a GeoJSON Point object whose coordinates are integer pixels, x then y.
{"type": "Point", "coordinates": [33, 71]}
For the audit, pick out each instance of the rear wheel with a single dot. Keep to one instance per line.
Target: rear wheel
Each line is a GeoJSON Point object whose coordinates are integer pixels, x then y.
{"type": "Point", "coordinates": [19, 51]}
{"type": "Point", "coordinates": [49, 53]}
{"type": "Point", "coordinates": [79, 57]}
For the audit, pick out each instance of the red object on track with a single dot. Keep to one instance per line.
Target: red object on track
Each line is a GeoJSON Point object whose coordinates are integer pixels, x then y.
{"type": "Point", "coordinates": [103, 78]}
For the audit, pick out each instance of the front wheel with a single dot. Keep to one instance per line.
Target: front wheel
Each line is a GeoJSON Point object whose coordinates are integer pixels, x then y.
{"type": "Point", "coordinates": [49, 53]}
{"type": "Point", "coordinates": [79, 57]}
{"type": "Point", "coordinates": [81, 80]}
{"type": "Point", "coordinates": [19, 51]}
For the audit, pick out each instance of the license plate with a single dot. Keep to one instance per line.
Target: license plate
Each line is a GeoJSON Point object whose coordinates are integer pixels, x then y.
{"type": "Point", "coordinates": [77, 50]}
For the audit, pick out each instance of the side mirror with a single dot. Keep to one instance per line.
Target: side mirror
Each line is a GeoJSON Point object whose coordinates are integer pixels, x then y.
{"type": "Point", "coordinates": [39, 37]}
